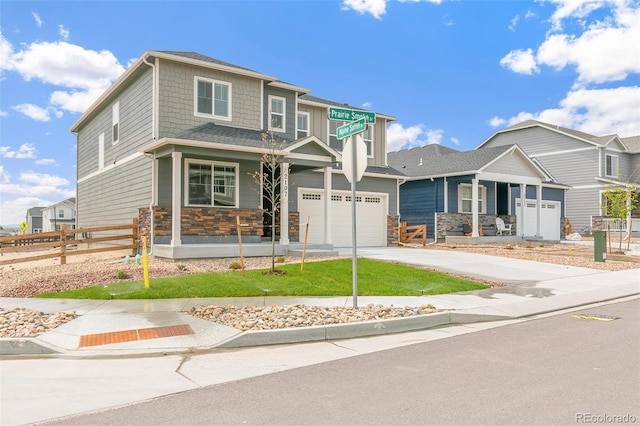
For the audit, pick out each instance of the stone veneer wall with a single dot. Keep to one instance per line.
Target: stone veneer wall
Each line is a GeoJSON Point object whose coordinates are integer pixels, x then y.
{"type": "Point", "coordinates": [596, 223]}
{"type": "Point", "coordinates": [294, 227]}
{"type": "Point", "coordinates": [455, 221]}
{"type": "Point", "coordinates": [202, 221]}
{"type": "Point", "coordinates": [393, 230]}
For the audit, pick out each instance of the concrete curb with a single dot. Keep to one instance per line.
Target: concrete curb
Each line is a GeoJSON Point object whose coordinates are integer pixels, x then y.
{"type": "Point", "coordinates": [353, 330]}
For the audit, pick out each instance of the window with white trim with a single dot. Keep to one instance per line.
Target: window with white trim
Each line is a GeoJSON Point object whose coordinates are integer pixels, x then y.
{"type": "Point", "coordinates": [212, 98]}
{"type": "Point", "coordinates": [115, 122]}
{"type": "Point", "coordinates": [611, 165]}
{"type": "Point", "coordinates": [211, 184]}
{"type": "Point", "coordinates": [367, 135]}
{"type": "Point", "coordinates": [465, 200]}
{"type": "Point", "coordinates": [277, 113]}
{"type": "Point", "coordinates": [302, 130]}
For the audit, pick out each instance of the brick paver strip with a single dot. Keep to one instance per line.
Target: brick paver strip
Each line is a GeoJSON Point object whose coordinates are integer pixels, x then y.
{"type": "Point", "coordinates": [133, 335]}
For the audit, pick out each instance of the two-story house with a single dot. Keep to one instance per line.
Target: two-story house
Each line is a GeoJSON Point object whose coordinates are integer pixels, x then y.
{"type": "Point", "coordinates": [176, 142]}
{"type": "Point", "coordinates": [588, 164]}
{"type": "Point", "coordinates": [58, 214]}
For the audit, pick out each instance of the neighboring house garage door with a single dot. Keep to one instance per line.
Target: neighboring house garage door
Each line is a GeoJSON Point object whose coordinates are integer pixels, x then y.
{"type": "Point", "coordinates": [370, 209]}
{"type": "Point", "coordinates": [549, 219]}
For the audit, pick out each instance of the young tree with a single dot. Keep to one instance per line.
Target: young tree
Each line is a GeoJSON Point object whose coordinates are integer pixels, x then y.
{"type": "Point", "coordinates": [269, 179]}
{"type": "Point", "coordinates": [619, 202]}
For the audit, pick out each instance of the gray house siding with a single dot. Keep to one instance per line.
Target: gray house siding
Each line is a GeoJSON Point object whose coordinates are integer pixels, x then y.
{"type": "Point", "coordinates": [536, 140]}
{"type": "Point", "coordinates": [628, 166]}
{"type": "Point", "coordinates": [419, 200]}
{"type": "Point", "coordinates": [290, 112]}
{"type": "Point", "coordinates": [176, 105]}
{"type": "Point", "coordinates": [113, 197]}
{"type": "Point", "coordinates": [317, 120]}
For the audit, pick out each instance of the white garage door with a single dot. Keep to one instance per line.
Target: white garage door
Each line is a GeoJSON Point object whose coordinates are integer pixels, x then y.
{"type": "Point", "coordinates": [549, 219]}
{"type": "Point", "coordinates": [371, 225]}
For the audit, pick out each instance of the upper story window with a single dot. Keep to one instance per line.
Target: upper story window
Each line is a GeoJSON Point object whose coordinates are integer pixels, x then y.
{"type": "Point", "coordinates": [337, 144]}
{"type": "Point", "coordinates": [211, 184]}
{"type": "Point", "coordinates": [60, 213]}
{"type": "Point", "coordinates": [277, 110]}
{"type": "Point", "coordinates": [115, 122]}
{"type": "Point", "coordinates": [212, 98]}
{"type": "Point", "coordinates": [302, 125]}
{"type": "Point", "coordinates": [465, 200]}
{"type": "Point", "coordinates": [611, 165]}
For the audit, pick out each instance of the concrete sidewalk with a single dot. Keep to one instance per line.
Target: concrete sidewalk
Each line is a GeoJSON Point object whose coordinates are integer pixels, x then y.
{"type": "Point", "coordinates": [131, 327]}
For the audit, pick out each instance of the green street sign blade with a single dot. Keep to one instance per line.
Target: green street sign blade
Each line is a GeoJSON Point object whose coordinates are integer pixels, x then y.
{"type": "Point", "coordinates": [344, 114]}
{"type": "Point", "coordinates": [351, 128]}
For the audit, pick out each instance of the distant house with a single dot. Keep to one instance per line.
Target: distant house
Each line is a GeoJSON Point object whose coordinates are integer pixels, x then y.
{"type": "Point", "coordinates": [34, 220]}
{"type": "Point", "coordinates": [589, 164]}
{"type": "Point", "coordinates": [58, 214]}
{"type": "Point", "coordinates": [462, 193]}
{"type": "Point", "coordinates": [174, 142]}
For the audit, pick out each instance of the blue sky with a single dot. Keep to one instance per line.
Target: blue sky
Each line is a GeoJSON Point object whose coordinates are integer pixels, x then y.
{"type": "Point", "coordinates": [452, 72]}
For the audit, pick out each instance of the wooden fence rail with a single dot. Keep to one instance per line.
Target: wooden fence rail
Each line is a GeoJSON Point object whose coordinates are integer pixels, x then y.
{"type": "Point", "coordinates": [412, 235]}
{"type": "Point", "coordinates": [68, 237]}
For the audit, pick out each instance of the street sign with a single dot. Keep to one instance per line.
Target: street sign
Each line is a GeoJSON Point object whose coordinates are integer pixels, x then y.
{"type": "Point", "coordinates": [351, 128]}
{"type": "Point", "coordinates": [344, 114]}
{"type": "Point", "coordinates": [361, 158]}
{"type": "Point", "coordinates": [23, 227]}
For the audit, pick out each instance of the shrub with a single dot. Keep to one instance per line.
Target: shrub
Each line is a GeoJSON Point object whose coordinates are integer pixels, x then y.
{"type": "Point", "coordinates": [281, 259]}
{"type": "Point", "coordinates": [182, 267]}
{"type": "Point", "coordinates": [235, 265]}
{"type": "Point", "coordinates": [121, 275]}
{"type": "Point", "coordinates": [509, 247]}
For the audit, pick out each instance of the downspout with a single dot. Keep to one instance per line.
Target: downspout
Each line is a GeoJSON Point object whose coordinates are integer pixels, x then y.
{"type": "Point", "coordinates": [153, 164]}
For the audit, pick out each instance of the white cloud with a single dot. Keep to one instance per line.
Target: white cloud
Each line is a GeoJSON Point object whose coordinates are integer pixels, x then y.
{"type": "Point", "coordinates": [598, 112]}
{"type": "Point", "coordinates": [400, 137]}
{"type": "Point", "coordinates": [37, 113]}
{"type": "Point", "coordinates": [455, 141]}
{"type": "Point", "coordinates": [520, 61]}
{"type": "Point", "coordinates": [4, 113]}
{"type": "Point", "coordinates": [46, 162]}
{"type": "Point", "coordinates": [15, 211]}
{"type": "Point", "coordinates": [38, 20]}
{"type": "Point", "coordinates": [367, 105]}
{"type": "Point", "coordinates": [376, 8]}
{"type": "Point", "coordinates": [606, 51]}
{"type": "Point", "coordinates": [4, 176]}
{"type": "Point", "coordinates": [86, 73]}
{"type": "Point", "coordinates": [64, 33]}
{"type": "Point", "coordinates": [514, 23]}
{"type": "Point", "coordinates": [33, 190]}
{"type": "Point", "coordinates": [26, 150]}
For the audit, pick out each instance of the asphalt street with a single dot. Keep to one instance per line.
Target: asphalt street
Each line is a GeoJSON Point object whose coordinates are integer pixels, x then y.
{"type": "Point", "coordinates": [574, 367]}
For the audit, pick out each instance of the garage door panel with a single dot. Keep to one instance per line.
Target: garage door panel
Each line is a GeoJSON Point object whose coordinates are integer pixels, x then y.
{"type": "Point", "coordinates": [370, 225]}
{"type": "Point", "coordinates": [549, 219]}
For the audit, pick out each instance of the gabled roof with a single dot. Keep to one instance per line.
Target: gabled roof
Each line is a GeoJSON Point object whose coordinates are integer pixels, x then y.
{"type": "Point", "coordinates": [632, 143]}
{"type": "Point", "coordinates": [432, 160]}
{"type": "Point", "coordinates": [35, 211]}
{"type": "Point", "coordinates": [600, 141]}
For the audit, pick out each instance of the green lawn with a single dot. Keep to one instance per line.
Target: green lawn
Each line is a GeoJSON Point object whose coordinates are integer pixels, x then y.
{"type": "Point", "coordinates": [323, 278]}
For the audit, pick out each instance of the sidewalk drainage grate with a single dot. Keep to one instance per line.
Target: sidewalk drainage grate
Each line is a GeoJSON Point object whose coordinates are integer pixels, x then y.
{"type": "Point", "coordinates": [133, 335]}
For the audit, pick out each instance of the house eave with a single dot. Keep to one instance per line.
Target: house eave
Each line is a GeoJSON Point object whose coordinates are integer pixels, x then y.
{"type": "Point", "coordinates": [327, 105]}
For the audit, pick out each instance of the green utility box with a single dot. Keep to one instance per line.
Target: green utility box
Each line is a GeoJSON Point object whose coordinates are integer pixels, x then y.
{"type": "Point", "coordinates": [600, 246]}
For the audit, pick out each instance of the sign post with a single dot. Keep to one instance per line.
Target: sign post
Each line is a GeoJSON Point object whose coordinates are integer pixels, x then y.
{"type": "Point", "coordinates": [354, 163]}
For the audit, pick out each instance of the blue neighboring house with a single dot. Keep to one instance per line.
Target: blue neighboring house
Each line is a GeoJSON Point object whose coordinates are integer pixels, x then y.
{"type": "Point", "coordinates": [462, 193]}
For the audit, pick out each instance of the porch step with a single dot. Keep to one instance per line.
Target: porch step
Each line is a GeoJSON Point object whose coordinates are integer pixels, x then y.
{"type": "Point", "coordinates": [313, 250]}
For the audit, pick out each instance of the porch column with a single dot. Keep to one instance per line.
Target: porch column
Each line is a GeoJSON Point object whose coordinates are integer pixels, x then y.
{"type": "Point", "coordinates": [284, 204]}
{"type": "Point", "coordinates": [538, 208]}
{"type": "Point", "coordinates": [176, 196]}
{"type": "Point", "coordinates": [474, 208]}
{"type": "Point", "coordinates": [523, 207]}
{"type": "Point", "coordinates": [327, 205]}
{"type": "Point", "coordinates": [446, 195]}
